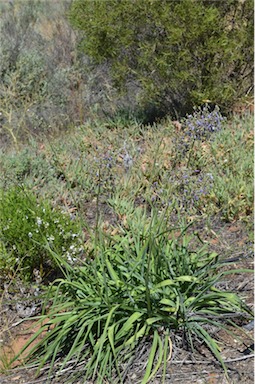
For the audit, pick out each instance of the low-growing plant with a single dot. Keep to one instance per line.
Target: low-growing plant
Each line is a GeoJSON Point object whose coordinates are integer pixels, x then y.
{"type": "Point", "coordinates": [231, 153]}
{"type": "Point", "coordinates": [143, 286]}
{"type": "Point", "coordinates": [29, 228]}
{"type": "Point", "coordinates": [27, 166]}
{"type": "Point", "coordinates": [210, 174]}
{"type": "Point", "coordinates": [213, 165]}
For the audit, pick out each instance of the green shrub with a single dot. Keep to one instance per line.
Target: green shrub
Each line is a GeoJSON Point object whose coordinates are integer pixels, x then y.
{"type": "Point", "coordinates": [142, 287]}
{"type": "Point", "coordinates": [178, 53]}
{"type": "Point", "coordinates": [29, 229]}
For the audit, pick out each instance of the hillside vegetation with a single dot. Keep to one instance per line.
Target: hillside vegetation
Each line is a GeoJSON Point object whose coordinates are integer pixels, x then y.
{"type": "Point", "coordinates": [128, 245]}
{"type": "Point", "coordinates": [136, 60]}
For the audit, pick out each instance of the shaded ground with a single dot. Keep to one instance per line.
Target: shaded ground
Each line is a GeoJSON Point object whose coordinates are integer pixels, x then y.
{"type": "Point", "coordinates": [231, 241]}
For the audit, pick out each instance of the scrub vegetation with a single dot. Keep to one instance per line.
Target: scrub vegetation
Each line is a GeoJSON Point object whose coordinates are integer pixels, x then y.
{"type": "Point", "coordinates": [114, 213]}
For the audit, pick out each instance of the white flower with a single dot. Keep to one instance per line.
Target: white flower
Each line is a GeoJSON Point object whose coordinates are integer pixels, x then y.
{"type": "Point", "coordinates": [70, 259]}
{"type": "Point", "coordinates": [38, 221]}
{"type": "Point", "coordinates": [30, 234]}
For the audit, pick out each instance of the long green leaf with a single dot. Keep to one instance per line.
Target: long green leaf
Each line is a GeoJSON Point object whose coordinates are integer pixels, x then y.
{"type": "Point", "coordinates": [151, 357]}
{"type": "Point", "coordinates": [128, 324]}
{"type": "Point", "coordinates": [211, 343]}
{"type": "Point", "coordinates": [100, 343]}
{"type": "Point", "coordinates": [159, 357]}
{"type": "Point", "coordinates": [142, 332]}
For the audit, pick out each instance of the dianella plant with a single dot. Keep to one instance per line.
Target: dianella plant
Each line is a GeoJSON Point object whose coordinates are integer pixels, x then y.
{"type": "Point", "coordinates": [138, 288]}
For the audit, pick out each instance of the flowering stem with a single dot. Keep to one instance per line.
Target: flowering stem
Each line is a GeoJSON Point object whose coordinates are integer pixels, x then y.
{"type": "Point", "coordinates": [190, 151]}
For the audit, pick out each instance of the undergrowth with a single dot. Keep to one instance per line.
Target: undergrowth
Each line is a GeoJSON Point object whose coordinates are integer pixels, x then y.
{"type": "Point", "coordinates": [131, 277]}
{"type": "Point", "coordinates": [210, 174]}
{"type": "Point", "coordinates": [26, 226]}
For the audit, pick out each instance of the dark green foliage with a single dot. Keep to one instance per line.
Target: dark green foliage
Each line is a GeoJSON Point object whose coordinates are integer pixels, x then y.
{"type": "Point", "coordinates": [178, 53]}
{"type": "Point", "coordinates": [29, 229]}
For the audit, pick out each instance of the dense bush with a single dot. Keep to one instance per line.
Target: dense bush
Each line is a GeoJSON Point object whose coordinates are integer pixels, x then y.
{"type": "Point", "coordinates": [178, 53]}
{"type": "Point", "coordinates": [29, 229]}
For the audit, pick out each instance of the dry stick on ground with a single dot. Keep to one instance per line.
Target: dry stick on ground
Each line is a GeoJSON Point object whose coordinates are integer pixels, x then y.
{"type": "Point", "coordinates": [209, 362]}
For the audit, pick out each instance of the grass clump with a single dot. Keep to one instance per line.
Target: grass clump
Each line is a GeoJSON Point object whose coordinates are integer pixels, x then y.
{"type": "Point", "coordinates": [142, 286]}
{"type": "Point", "coordinates": [29, 228]}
